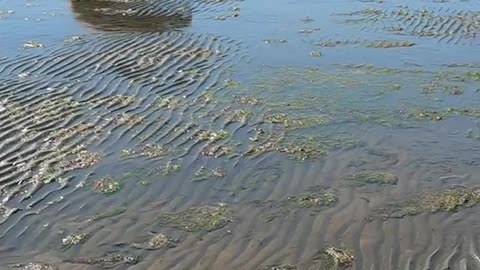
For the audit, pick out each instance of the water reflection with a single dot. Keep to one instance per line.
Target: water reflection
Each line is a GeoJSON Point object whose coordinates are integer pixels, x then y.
{"type": "Point", "coordinates": [138, 16]}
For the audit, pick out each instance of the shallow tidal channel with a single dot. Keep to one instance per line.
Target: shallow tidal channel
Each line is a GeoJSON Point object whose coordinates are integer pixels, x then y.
{"type": "Point", "coordinates": [238, 134]}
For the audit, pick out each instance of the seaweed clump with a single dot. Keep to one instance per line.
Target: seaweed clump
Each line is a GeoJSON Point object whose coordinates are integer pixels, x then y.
{"type": "Point", "coordinates": [299, 147]}
{"type": "Point", "coordinates": [334, 258]}
{"type": "Point", "coordinates": [310, 200]}
{"type": "Point", "coordinates": [302, 148]}
{"type": "Point", "coordinates": [328, 259]}
{"type": "Point", "coordinates": [204, 218]}
{"type": "Point", "coordinates": [219, 151]}
{"type": "Point", "coordinates": [106, 186]}
{"type": "Point", "coordinates": [385, 44]}
{"type": "Point", "coordinates": [367, 178]}
{"type": "Point", "coordinates": [170, 168]}
{"type": "Point", "coordinates": [212, 136]}
{"type": "Point", "coordinates": [148, 151]}
{"type": "Point", "coordinates": [205, 174]}
{"type": "Point", "coordinates": [153, 242]}
{"type": "Point", "coordinates": [128, 119]}
{"type": "Point", "coordinates": [278, 267]}
{"type": "Point", "coordinates": [74, 239]}
{"type": "Point", "coordinates": [108, 214]}
{"type": "Point", "coordinates": [108, 260]}
{"type": "Point", "coordinates": [290, 123]}
{"type": "Point", "coordinates": [450, 200]}
{"type": "Point", "coordinates": [33, 266]}
{"type": "Point", "coordinates": [169, 102]}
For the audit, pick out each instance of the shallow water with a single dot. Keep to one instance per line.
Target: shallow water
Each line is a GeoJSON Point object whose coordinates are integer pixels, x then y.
{"type": "Point", "coordinates": [219, 134]}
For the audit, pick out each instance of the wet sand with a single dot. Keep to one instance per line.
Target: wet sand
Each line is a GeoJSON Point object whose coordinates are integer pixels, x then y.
{"type": "Point", "coordinates": [237, 135]}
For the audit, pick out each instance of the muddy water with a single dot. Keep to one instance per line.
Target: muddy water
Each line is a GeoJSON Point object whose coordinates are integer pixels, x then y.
{"type": "Point", "coordinates": [210, 134]}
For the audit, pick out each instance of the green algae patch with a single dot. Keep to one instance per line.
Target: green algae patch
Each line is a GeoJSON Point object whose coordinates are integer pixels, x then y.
{"type": "Point", "coordinates": [64, 160]}
{"type": "Point", "coordinates": [154, 151]}
{"type": "Point", "coordinates": [204, 174]}
{"type": "Point", "coordinates": [450, 200]}
{"type": "Point", "coordinates": [246, 100]}
{"type": "Point", "coordinates": [111, 101]}
{"type": "Point", "coordinates": [169, 102]}
{"type": "Point", "coordinates": [220, 150]}
{"type": "Point", "coordinates": [385, 44]}
{"type": "Point", "coordinates": [230, 84]}
{"type": "Point", "coordinates": [106, 186]}
{"type": "Point", "coordinates": [170, 168]}
{"type": "Point", "coordinates": [128, 119]}
{"type": "Point", "coordinates": [108, 260]}
{"type": "Point", "coordinates": [278, 267]}
{"type": "Point", "coordinates": [153, 241]}
{"type": "Point", "coordinates": [235, 115]}
{"type": "Point", "coordinates": [298, 122]}
{"type": "Point", "coordinates": [311, 200]}
{"type": "Point", "coordinates": [443, 114]}
{"type": "Point", "coordinates": [109, 214]}
{"type": "Point", "coordinates": [149, 151]}
{"type": "Point", "coordinates": [205, 218]}
{"type": "Point", "coordinates": [334, 259]}
{"type": "Point", "coordinates": [206, 98]}
{"type": "Point", "coordinates": [297, 146]}
{"type": "Point", "coordinates": [310, 147]}
{"type": "Point", "coordinates": [430, 115]}
{"type": "Point", "coordinates": [32, 266]}
{"type": "Point", "coordinates": [445, 88]}
{"type": "Point", "coordinates": [74, 239]}
{"type": "Point", "coordinates": [372, 178]}
{"type": "Point", "coordinates": [212, 136]}
{"type": "Point", "coordinates": [328, 259]}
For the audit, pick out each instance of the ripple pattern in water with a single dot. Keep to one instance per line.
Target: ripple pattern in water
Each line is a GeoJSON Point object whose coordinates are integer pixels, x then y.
{"type": "Point", "coordinates": [175, 150]}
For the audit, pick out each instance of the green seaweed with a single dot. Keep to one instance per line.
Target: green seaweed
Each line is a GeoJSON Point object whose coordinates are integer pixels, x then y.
{"type": "Point", "coordinates": [220, 150]}
{"type": "Point", "coordinates": [238, 115]}
{"type": "Point", "coordinates": [148, 151]}
{"type": "Point", "coordinates": [169, 102]}
{"type": "Point", "coordinates": [212, 136]}
{"type": "Point", "coordinates": [246, 100]}
{"type": "Point", "coordinates": [334, 259]}
{"type": "Point", "coordinates": [390, 44]}
{"type": "Point", "coordinates": [170, 168]}
{"type": "Point", "coordinates": [313, 200]}
{"type": "Point", "coordinates": [106, 186]}
{"type": "Point", "coordinates": [204, 174]}
{"type": "Point", "coordinates": [450, 200]}
{"type": "Point", "coordinates": [299, 122]}
{"type": "Point", "coordinates": [299, 147]}
{"type": "Point", "coordinates": [108, 260]}
{"type": "Point", "coordinates": [153, 241]}
{"type": "Point", "coordinates": [278, 267]}
{"type": "Point", "coordinates": [204, 218]}
{"type": "Point", "coordinates": [128, 119]}
{"type": "Point", "coordinates": [74, 239]}
{"type": "Point", "coordinates": [32, 266]}
{"type": "Point", "coordinates": [109, 214]}
{"type": "Point", "coordinates": [368, 178]}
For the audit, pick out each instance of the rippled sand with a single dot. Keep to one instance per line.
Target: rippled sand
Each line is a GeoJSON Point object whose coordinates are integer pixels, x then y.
{"type": "Point", "coordinates": [219, 134]}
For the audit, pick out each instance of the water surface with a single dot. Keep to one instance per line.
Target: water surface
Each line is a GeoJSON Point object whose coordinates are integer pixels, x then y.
{"type": "Point", "coordinates": [221, 134]}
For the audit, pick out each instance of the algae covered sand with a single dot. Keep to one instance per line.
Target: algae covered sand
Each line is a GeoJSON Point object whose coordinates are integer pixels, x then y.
{"type": "Point", "coordinates": [446, 201]}
{"type": "Point", "coordinates": [331, 258]}
{"type": "Point", "coordinates": [316, 200]}
{"type": "Point", "coordinates": [204, 218]}
{"type": "Point", "coordinates": [375, 177]}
